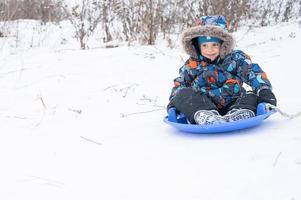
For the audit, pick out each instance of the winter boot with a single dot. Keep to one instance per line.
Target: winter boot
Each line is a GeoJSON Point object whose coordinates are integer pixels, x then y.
{"type": "Point", "coordinates": [208, 117]}
{"type": "Point", "coordinates": [238, 114]}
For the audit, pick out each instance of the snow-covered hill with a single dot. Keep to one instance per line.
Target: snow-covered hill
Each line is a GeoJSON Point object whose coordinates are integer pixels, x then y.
{"type": "Point", "coordinates": [88, 125]}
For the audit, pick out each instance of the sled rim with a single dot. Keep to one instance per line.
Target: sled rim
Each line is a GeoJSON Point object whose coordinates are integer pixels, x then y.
{"type": "Point", "coordinates": [220, 128]}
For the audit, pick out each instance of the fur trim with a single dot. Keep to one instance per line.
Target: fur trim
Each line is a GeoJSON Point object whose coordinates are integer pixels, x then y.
{"type": "Point", "coordinates": [208, 30]}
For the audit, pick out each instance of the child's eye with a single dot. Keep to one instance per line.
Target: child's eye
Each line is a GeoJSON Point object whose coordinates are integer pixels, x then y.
{"type": "Point", "coordinates": [215, 44]}
{"type": "Point", "coordinates": [204, 45]}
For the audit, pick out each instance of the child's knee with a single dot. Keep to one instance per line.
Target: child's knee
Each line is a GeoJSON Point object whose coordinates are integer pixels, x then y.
{"type": "Point", "coordinates": [246, 101]}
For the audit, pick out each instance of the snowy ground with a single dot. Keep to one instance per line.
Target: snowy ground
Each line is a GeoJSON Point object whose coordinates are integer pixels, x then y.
{"type": "Point", "coordinates": [88, 125]}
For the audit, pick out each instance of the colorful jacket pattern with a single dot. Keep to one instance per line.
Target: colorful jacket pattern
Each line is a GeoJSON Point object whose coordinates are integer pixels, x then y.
{"type": "Point", "coordinates": [222, 81]}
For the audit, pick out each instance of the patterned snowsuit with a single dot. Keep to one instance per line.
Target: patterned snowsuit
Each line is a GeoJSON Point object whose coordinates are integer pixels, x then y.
{"type": "Point", "coordinates": [220, 80]}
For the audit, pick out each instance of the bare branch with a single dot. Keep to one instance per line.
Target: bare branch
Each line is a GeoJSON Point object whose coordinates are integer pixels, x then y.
{"type": "Point", "coordinates": [276, 159]}
{"type": "Point", "coordinates": [89, 140]}
{"type": "Point", "coordinates": [123, 115]}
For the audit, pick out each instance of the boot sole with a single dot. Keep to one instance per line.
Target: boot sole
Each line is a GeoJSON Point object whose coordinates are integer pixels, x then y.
{"type": "Point", "coordinates": [205, 117]}
{"type": "Point", "coordinates": [239, 115]}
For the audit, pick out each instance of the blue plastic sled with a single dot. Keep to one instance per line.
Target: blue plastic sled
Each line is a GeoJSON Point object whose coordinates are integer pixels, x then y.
{"type": "Point", "coordinates": [179, 122]}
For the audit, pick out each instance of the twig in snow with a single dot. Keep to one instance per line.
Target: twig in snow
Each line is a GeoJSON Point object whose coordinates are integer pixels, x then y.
{"type": "Point", "coordinates": [45, 108]}
{"type": "Point", "coordinates": [160, 51]}
{"type": "Point", "coordinates": [276, 159]}
{"type": "Point", "coordinates": [46, 181]}
{"type": "Point", "coordinates": [20, 71]}
{"type": "Point", "coordinates": [16, 117]}
{"type": "Point", "coordinates": [155, 105]}
{"type": "Point", "coordinates": [127, 89]}
{"type": "Point", "coordinates": [42, 101]}
{"type": "Point", "coordinates": [109, 87]}
{"type": "Point", "coordinates": [14, 71]}
{"type": "Point", "coordinates": [77, 111]}
{"type": "Point", "coordinates": [124, 90]}
{"type": "Point", "coordinates": [89, 140]}
{"type": "Point", "coordinates": [123, 115]}
{"type": "Point", "coordinates": [144, 98]}
{"type": "Point", "coordinates": [153, 101]}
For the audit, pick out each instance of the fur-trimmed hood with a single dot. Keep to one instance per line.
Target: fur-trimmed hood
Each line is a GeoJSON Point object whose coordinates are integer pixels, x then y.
{"type": "Point", "coordinates": [207, 30]}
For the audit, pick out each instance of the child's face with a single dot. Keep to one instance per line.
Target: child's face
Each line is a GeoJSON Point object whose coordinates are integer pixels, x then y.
{"type": "Point", "coordinates": [210, 50]}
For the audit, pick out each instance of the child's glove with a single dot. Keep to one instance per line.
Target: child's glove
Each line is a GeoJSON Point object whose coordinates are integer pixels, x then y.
{"type": "Point", "coordinates": [267, 96]}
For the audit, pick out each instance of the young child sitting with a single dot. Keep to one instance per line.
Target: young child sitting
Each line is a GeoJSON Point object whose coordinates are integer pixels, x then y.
{"type": "Point", "coordinates": [210, 87]}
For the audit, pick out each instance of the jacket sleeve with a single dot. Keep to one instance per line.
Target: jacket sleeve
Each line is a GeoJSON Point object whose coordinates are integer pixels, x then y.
{"type": "Point", "coordinates": [188, 73]}
{"type": "Point", "coordinates": [239, 64]}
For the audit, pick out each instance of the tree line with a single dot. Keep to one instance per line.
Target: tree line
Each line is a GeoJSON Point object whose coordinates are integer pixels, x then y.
{"type": "Point", "coordinates": [144, 20]}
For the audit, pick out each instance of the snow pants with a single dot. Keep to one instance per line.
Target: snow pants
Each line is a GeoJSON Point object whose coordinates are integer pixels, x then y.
{"type": "Point", "coordinates": [189, 101]}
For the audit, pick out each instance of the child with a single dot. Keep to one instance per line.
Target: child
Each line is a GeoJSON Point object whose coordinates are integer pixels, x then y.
{"type": "Point", "coordinates": [210, 87]}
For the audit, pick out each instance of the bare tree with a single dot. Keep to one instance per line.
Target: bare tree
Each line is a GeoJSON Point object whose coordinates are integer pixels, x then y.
{"type": "Point", "coordinates": [299, 13]}
{"type": "Point", "coordinates": [143, 20]}
{"type": "Point", "coordinates": [45, 10]}
{"type": "Point", "coordinates": [48, 11]}
{"type": "Point", "coordinates": [8, 9]}
{"type": "Point", "coordinates": [110, 10]}
{"type": "Point", "coordinates": [288, 10]}
{"type": "Point", "coordinates": [233, 10]}
{"type": "Point", "coordinates": [84, 18]}
{"type": "Point", "coordinates": [140, 20]}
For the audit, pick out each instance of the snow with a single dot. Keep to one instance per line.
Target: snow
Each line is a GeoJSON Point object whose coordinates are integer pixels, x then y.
{"type": "Point", "coordinates": [88, 125]}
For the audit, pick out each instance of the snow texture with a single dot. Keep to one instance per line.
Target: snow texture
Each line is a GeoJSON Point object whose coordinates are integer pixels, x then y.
{"type": "Point", "coordinates": [88, 125]}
